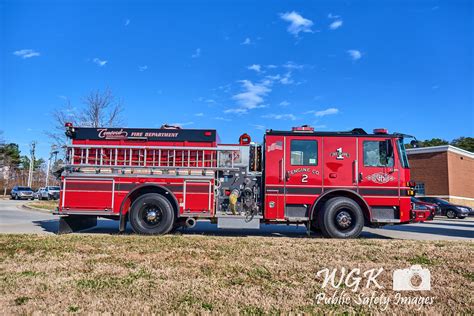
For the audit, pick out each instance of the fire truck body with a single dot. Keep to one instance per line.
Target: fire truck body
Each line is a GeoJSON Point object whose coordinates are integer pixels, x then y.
{"type": "Point", "coordinates": [160, 179]}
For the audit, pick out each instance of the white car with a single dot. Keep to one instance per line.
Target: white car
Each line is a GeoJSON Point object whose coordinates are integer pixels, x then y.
{"type": "Point", "coordinates": [48, 193]}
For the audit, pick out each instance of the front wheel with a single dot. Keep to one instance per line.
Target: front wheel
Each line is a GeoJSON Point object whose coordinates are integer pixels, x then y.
{"type": "Point", "coordinates": [151, 214]}
{"type": "Point", "coordinates": [451, 214]}
{"type": "Point", "coordinates": [341, 217]}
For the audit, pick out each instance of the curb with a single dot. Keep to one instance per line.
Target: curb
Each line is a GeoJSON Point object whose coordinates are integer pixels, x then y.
{"type": "Point", "coordinates": [31, 208]}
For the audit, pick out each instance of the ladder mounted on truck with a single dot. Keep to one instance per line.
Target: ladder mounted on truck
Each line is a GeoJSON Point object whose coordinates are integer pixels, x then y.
{"type": "Point", "coordinates": [150, 159]}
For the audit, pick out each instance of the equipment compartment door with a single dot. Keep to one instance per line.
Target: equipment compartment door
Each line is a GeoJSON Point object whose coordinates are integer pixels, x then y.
{"type": "Point", "coordinates": [274, 176]}
{"type": "Point", "coordinates": [197, 196]}
{"type": "Point", "coordinates": [87, 194]}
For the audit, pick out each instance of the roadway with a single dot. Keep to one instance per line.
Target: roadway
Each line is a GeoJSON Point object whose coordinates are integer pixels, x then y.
{"type": "Point", "coordinates": [16, 219]}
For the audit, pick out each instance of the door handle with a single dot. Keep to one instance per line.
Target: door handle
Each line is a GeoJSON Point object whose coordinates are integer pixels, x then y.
{"type": "Point", "coordinates": [361, 176]}
{"type": "Point", "coordinates": [282, 172]}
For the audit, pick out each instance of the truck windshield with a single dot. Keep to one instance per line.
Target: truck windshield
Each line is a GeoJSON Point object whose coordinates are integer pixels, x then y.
{"type": "Point", "coordinates": [402, 153]}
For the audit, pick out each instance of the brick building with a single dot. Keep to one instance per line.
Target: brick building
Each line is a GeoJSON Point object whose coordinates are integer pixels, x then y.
{"type": "Point", "coordinates": [446, 172]}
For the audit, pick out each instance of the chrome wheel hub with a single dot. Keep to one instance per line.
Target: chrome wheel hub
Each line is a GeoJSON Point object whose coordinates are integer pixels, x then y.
{"type": "Point", "coordinates": [344, 219]}
{"type": "Point", "coordinates": [151, 215]}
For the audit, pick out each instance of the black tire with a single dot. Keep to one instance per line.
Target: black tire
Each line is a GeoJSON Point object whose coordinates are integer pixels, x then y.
{"type": "Point", "coordinates": [314, 227]}
{"type": "Point", "coordinates": [451, 214]}
{"type": "Point", "coordinates": [461, 217]}
{"type": "Point", "coordinates": [152, 214]}
{"type": "Point", "coordinates": [341, 218]}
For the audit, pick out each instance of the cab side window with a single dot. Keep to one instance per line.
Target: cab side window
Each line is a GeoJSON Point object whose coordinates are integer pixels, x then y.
{"type": "Point", "coordinates": [378, 154]}
{"type": "Point", "coordinates": [304, 153]}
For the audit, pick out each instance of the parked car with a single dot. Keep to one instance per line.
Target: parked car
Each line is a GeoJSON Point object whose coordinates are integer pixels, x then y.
{"type": "Point", "coordinates": [424, 209]}
{"type": "Point", "coordinates": [19, 193]}
{"type": "Point", "coordinates": [49, 193]}
{"type": "Point", "coordinates": [37, 194]}
{"type": "Point", "coordinates": [448, 209]}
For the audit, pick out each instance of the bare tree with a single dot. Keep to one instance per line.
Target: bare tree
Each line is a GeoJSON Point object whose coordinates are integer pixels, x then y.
{"type": "Point", "coordinates": [99, 109]}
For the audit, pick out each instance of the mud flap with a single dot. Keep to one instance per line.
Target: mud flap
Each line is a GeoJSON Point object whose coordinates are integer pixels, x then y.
{"type": "Point", "coordinates": [73, 223]}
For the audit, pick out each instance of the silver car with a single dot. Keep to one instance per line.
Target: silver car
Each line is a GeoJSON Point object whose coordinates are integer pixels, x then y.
{"type": "Point", "coordinates": [48, 193]}
{"type": "Point", "coordinates": [20, 193]}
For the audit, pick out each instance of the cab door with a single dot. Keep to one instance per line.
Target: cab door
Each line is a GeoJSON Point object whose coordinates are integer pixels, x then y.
{"type": "Point", "coordinates": [303, 176]}
{"type": "Point", "coordinates": [379, 176]}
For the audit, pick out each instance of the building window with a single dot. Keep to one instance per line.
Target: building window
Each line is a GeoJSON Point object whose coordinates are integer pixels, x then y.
{"type": "Point", "coordinates": [378, 154]}
{"type": "Point", "coordinates": [304, 153]}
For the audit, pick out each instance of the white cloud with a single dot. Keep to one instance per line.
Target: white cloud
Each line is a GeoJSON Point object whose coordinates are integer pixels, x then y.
{"type": "Point", "coordinates": [284, 103]}
{"type": "Point", "coordinates": [197, 53]}
{"type": "Point", "coordinates": [236, 111]}
{"type": "Point", "coordinates": [26, 53]}
{"type": "Point", "coordinates": [272, 66]}
{"type": "Point", "coordinates": [220, 118]}
{"type": "Point", "coordinates": [199, 114]}
{"type": "Point", "coordinates": [253, 94]}
{"type": "Point", "coordinates": [286, 79]}
{"type": "Point", "coordinates": [332, 16]}
{"type": "Point", "coordinates": [335, 25]}
{"type": "Point", "coordinates": [293, 66]}
{"type": "Point", "coordinates": [329, 111]}
{"type": "Point", "coordinates": [182, 124]}
{"type": "Point", "coordinates": [355, 54]}
{"type": "Point", "coordinates": [246, 41]}
{"type": "Point", "coordinates": [127, 22]}
{"type": "Point", "coordinates": [99, 62]}
{"type": "Point", "coordinates": [290, 117]}
{"type": "Point", "coordinates": [142, 68]}
{"type": "Point", "coordinates": [259, 127]}
{"type": "Point", "coordinates": [297, 23]}
{"type": "Point", "coordinates": [210, 101]}
{"type": "Point", "coordinates": [255, 67]}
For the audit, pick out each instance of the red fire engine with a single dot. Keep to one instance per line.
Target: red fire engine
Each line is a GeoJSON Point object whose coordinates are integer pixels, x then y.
{"type": "Point", "coordinates": [161, 179]}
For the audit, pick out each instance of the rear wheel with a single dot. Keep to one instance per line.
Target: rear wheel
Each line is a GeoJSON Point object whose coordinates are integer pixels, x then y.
{"type": "Point", "coordinates": [341, 218]}
{"type": "Point", "coordinates": [451, 214]}
{"type": "Point", "coordinates": [152, 214]}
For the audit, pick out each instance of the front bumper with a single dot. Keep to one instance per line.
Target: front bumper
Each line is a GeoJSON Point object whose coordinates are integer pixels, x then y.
{"type": "Point", "coordinates": [418, 216]}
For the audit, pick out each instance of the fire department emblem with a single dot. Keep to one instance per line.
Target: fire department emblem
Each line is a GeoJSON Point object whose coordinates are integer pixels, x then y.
{"type": "Point", "coordinates": [380, 177]}
{"type": "Point", "coordinates": [340, 154]}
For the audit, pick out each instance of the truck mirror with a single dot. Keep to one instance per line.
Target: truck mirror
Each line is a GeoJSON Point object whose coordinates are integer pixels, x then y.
{"type": "Point", "coordinates": [414, 143]}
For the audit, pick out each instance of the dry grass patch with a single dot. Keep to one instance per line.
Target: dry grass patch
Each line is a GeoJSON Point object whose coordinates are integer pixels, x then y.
{"type": "Point", "coordinates": [46, 205]}
{"type": "Point", "coordinates": [195, 274]}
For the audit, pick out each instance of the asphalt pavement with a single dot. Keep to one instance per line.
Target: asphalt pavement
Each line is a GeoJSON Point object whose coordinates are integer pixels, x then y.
{"type": "Point", "coordinates": [16, 219]}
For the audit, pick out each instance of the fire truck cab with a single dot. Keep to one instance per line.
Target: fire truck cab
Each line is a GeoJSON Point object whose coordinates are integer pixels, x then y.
{"type": "Point", "coordinates": [162, 179]}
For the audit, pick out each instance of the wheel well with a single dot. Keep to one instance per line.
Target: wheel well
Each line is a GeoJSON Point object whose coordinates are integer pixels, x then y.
{"type": "Point", "coordinates": [139, 191]}
{"type": "Point", "coordinates": [341, 193]}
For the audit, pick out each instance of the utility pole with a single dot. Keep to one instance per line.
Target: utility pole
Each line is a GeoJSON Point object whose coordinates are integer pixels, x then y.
{"type": "Point", "coordinates": [32, 162]}
{"type": "Point", "coordinates": [55, 153]}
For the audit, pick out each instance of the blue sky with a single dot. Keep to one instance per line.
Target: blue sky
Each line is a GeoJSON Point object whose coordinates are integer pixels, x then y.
{"type": "Point", "coordinates": [241, 66]}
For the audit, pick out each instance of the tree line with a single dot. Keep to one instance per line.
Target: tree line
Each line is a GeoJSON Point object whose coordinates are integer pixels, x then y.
{"type": "Point", "coordinates": [466, 143]}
